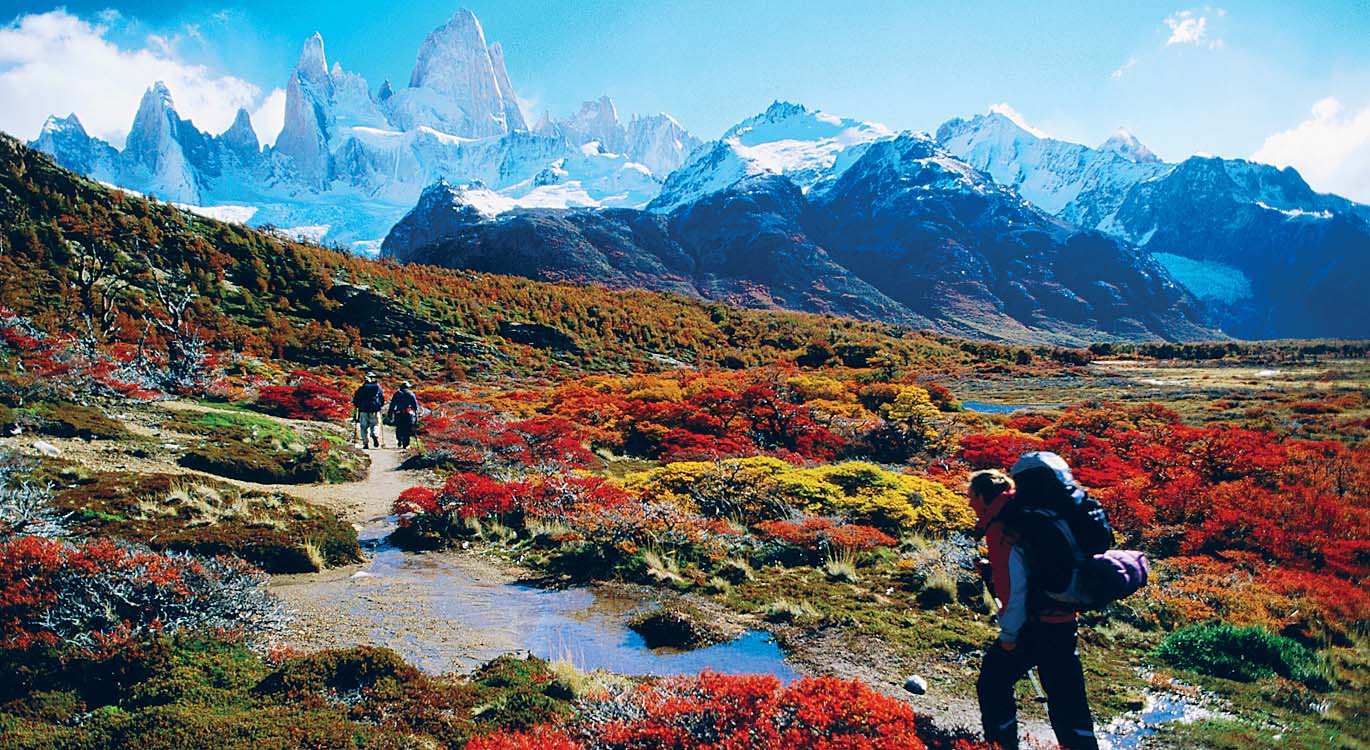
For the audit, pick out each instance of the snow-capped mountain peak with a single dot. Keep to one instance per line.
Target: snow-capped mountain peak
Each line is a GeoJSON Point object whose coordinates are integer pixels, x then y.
{"type": "Point", "coordinates": [71, 123]}
{"type": "Point", "coordinates": [787, 121]}
{"type": "Point", "coordinates": [350, 159]}
{"type": "Point", "coordinates": [72, 147]}
{"type": "Point", "coordinates": [659, 143]}
{"type": "Point", "coordinates": [809, 147]}
{"type": "Point", "coordinates": [1125, 144]}
{"type": "Point", "coordinates": [240, 136]}
{"type": "Point", "coordinates": [157, 147]}
{"type": "Point", "coordinates": [1079, 183]}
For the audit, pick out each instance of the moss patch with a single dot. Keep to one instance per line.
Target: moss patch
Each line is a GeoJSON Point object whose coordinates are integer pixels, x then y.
{"type": "Point", "coordinates": [677, 626]}
{"type": "Point", "coordinates": [69, 420]}
{"type": "Point", "coordinates": [254, 448]}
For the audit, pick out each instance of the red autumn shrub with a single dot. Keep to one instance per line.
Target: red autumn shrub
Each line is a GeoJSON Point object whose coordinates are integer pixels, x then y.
{"type": "Point", "coordinates": [995, 451]}
{"type": "Point", "coordinates": [537, 738]}
{"type": "Point", "coordinates": [1031, 423]}
{"type": "Point", "coordinates": [474, 495]}
{"type": "Point", "coordinates": [552, 442]}
{"type": "Point", "coordinates": [683, 445]}
{"type": "Point", "coordinates": [466, 495]}
{"type": "Point", "coordinates": [91, 593]}
{"type": "Point", "coordinates": [479, 441]}
{"type": "Point", "coordinates": [416, 500]}
{"type": "Point", "coordinates": [713, 711]}
{"type": "Point", "coordinates": [818, 536]}
{"type": "Point", "coordinates": [560, 496]}
{"type": "Point", "coordinates": [307, 398]}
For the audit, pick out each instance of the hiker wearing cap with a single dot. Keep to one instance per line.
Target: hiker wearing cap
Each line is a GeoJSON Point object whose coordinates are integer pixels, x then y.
{"type": "Point", "coordinates": [1034, 629]}
{"type": "Point", "coordinates": [403, 413]}
{"type": "Point", "coordinates": [368, 400]}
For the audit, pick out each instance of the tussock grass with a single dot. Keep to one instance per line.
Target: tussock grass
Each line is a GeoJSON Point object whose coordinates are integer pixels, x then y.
{"type": "Point", "coordinates": [661, 566]}
{"type": "Point", "coordinates": [784, 610]}
{"type": "Point", "coordinates": [938, 589]}
{"type": "Point", "coordinates": [718, 585]}
{"type": "Point", "coordinates": [313, 551]}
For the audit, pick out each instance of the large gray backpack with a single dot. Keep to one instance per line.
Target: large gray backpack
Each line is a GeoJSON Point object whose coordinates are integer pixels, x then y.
{"type": "Point", "coordinates": [1067, 537]}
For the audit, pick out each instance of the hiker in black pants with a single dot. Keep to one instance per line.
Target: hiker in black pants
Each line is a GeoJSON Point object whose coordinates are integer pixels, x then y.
{"type": "Point", "coordinates": [404, 414]}
{"type": "Point", "coordinates": [1034, 631]}
{"type": "Point", "coordinates": [1051, 648]}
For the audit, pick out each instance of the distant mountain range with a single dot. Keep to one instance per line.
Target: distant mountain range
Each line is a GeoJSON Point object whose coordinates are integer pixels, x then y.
{"type": "Point", "coordinates": [799, 209]}
{"type": "Point", "coordinates": [351, 160]}
{"type": "Point", "coordinates": [1266, 254]}
{"type": "Point", "coordinates": [985, 229]}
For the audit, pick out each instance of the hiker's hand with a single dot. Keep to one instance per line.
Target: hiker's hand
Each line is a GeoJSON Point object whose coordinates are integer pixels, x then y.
{"type": "Point", "coordinates": [1006, 645]}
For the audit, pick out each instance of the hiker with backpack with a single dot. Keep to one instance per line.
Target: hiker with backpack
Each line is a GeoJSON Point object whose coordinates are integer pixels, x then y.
{"type": "Point", "coordinates": [368, 400]}
{"type": "Point", "coordinates": [403, 414]}
{"type": "Point", "coordinates": [1049, 557]}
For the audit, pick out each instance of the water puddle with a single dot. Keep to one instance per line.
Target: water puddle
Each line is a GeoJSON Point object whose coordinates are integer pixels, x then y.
{"type": "Point", "coordinates": [447, 611]}
{"type": "Point", "coordinates": [1128, 732]}
{"type": "Point", "coordinates": [987, 408]}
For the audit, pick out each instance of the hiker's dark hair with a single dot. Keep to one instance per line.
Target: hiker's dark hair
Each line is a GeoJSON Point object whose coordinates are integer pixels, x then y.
{"type": "Point", "coordinates": [990, 483]}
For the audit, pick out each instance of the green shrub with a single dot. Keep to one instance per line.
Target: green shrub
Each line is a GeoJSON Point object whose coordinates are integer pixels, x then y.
{"type": "Point", "coordinates": [1247, 654]}
{"type": "Point", "coordinates": [338, 670]}
{"type": "Point", "coordinates": [264, 464]}
{"type": "Point", "coordinates": [519, 693]}
{"type": "Point", "coordinates": [235, 459]}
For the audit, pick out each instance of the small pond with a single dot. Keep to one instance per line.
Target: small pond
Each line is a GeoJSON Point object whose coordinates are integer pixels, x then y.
{"type": "Point", "coordinates": [988, 408]}
{"type": "Point", "coordinates": [448, 611]}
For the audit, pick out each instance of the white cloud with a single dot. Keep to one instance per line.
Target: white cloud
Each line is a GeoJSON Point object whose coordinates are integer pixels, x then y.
{"type": "Point", "coordinates": [1124, 68]}
{"type": "Point", "coordinates": [1331, 149]}
{"type": "Point", "coordinates": [269, 118]}
{"type": "Point", "coordinates": [1005, 109]}
{"type": "Point", "coordinates": [1192, 27]}
{"type": "Point", "coordinates": [56, 63]}
{"type": "Point", "coordinates": [1186, 28]}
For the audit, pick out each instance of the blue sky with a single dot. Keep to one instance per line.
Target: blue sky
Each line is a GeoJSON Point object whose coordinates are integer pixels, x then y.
{"type": "Point", "coordinates": [1222, 79]}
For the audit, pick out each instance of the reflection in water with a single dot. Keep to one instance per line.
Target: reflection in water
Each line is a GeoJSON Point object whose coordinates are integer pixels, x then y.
{"type": "Point", "coordinates": [1127, 733]}
{"type": "Point", "coordinates": [444, 611]}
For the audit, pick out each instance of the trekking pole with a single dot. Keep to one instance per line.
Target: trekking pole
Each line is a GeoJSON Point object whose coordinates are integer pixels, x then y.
{"type": "Point", "coordinates": [1037, 685]}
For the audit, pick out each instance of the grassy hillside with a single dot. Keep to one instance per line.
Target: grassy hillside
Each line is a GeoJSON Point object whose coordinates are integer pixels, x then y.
{"type": "Point", "coordinates": [264, 294]}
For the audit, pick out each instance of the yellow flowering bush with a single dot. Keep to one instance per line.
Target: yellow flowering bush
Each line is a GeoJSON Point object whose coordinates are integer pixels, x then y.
{"type": "Point", "coordinates": [891, 501]}
{"type": "Point", "coordinates": [760, 488]}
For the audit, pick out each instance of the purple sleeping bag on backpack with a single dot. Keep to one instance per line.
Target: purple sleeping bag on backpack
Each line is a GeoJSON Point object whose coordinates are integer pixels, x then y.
{"type": "Point", "coordinates": [1115, 574]}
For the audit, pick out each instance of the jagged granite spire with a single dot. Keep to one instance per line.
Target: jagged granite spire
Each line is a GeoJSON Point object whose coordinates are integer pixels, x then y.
{"type": "Point", "coordinates": [459, 84]}
{"type": "Point", "coordinates": [155, 154]}
{"type": "Point", "coordinates": [304, 137]}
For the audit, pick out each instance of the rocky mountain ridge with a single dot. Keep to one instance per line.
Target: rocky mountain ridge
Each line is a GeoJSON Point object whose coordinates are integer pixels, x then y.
{"type": "Point", "coordinates": [855, 221]}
